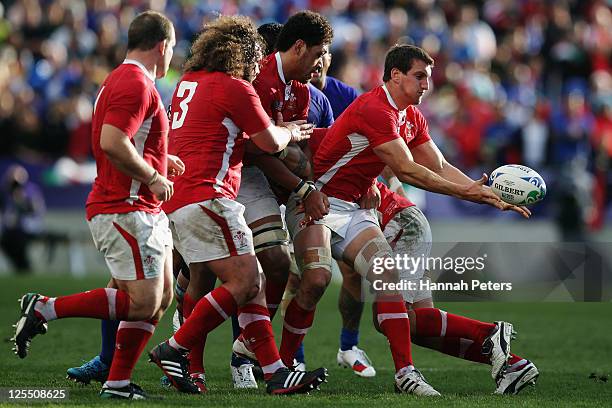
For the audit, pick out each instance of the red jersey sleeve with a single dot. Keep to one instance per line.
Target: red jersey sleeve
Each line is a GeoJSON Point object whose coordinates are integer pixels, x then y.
{"type": "Point", "coordinates": [380, 125]}
{"type": "Point", "coordinates": [304, 104]}
{"type": "Point", "coordinates": [422, 130]}
{"type": "Point", "coordinates": [316, 138]}
{"type": "Point", "coordinates": [249, 114]}
{"type": "Point", "coordinates": [128, 107]}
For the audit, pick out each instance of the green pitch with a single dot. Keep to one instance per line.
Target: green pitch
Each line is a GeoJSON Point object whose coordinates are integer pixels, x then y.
{"type": "Point", "coordinates": [567, 342]}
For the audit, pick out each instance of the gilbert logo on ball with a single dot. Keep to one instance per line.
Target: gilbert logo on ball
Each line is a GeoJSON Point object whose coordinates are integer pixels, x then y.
{"type": "Point", "coordinates": [517, 184]}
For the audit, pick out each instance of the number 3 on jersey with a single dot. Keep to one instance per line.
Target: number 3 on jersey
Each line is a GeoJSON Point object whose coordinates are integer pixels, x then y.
{"type": "Point", "coordinates": [179, 117]}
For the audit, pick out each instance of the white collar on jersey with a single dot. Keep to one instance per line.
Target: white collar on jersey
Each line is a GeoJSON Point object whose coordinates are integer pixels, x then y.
{"type": "Point", "coordinates": [389, 98]}
{"type": "Point", "coordinates": [139, 65]}
{"type": "Point", "coordinates": [402, 113]}
{"type": "Point", "coordinates": [279, 67]}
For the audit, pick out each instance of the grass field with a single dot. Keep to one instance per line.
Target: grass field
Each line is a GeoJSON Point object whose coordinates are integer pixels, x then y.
{"type": "Point", "coordinates": [567, 341]}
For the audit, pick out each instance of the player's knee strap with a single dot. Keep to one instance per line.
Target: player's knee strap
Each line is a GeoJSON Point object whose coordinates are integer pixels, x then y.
{"type": "Point", "coordinates": [314, 258]}
{"type": "Point", "coordinates": [268, 235]}
{"type": "Point", "coordinates": [375, 248]}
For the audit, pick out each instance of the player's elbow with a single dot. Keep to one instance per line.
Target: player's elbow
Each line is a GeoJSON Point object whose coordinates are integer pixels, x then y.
{"type": "Point", "coordinates": [108, 146]}
{"type": "Point", "coordinates": [273, 146]}
{"type": "Point", "coordinates": [110, 142]}
{"type": "Point", "coordinates": [439, 166]}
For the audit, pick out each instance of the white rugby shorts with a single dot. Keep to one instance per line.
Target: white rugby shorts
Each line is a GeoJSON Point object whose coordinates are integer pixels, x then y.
{"type": "Point", "coordinates": [256, 195]}
{"type": "Point", "coordinates": [409, 233]}
{"type": "Point", "coordinates": [210, 230]}
{"type": "Point", "coordinates": [133, 244]}
{"type": "Point", "coordinates": [345, 220]}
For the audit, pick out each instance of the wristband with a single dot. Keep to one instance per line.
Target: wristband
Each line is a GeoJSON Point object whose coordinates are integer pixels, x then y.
{"type": "Point", "coordinates": [153, 178]}
{"type": "Point", "coordinates": [304, 188]}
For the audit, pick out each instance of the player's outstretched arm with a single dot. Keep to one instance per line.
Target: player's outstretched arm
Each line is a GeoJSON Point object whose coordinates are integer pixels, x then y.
{"type": "Point", "coordinates": [123, 155]}
{"type": "Point", "coordinates": [427, 154]}
{"type": "Point", "coordinates": [396, 155]}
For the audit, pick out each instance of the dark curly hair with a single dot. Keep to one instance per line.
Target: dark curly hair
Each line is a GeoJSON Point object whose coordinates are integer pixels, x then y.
{"type": "Point", "coordinates": [228, 44]}
{"type": "Point", "coordinates": [270, 32]}
{"type": "Point", "coordinates": [308, 26]}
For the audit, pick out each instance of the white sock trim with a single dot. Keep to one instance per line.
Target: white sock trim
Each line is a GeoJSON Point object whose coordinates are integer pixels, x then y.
{"type": "Point", "coordinates": [111, 297]}
{"type": "Point", "coordinates": [444, 321]}
{"type": "Point", "coordinates": [272, 368]}
{"type": "Point", "coordinates": [175, 345]}
{"type": "Point", "coordinates": [295, 330]}
{"type": "Point", "coordinates": [46, 309]}
{"type": "Point", "coordinates": [142, 325]}
{"type": "Point", "coordinates": [385, 316]}
{"type": "Point", "coordinates": [117, 383]}
{"type": "Point", "coordinates": [244, 319]}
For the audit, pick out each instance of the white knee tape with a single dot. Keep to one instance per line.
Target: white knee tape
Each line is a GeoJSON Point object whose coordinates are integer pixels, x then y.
{"type": "Point", "coordinates": [313, 258]}
{"type": "Point", "coordinates": [373, 249]}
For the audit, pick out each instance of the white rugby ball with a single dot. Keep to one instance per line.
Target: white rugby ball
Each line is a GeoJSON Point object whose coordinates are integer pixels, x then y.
{"type": "Point", "coordinates": [517, 184]}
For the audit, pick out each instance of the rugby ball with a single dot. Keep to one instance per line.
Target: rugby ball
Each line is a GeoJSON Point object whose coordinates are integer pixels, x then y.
{"type": "Point", "coordinates": [517, 184]}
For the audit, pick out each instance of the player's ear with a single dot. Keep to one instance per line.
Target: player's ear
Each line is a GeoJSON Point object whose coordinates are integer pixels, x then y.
{"type": "Point", "coordinates": [395, 74]}
{"type": "Point", "coordinates": [161, 46]}
{"type": "Point", "coordinates": [300, 47]}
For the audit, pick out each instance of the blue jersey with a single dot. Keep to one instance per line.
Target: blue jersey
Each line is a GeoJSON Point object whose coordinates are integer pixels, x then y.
{"type": "Point", "coordinates": [340, 95]}
{"type": "Point", "coordinates": [320, 110]}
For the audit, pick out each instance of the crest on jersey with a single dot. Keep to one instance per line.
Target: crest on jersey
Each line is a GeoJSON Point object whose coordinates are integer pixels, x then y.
{"type": "Point", "coordinates": [401, 120]}
{"type": "Point", "coordinates": [240, 239]}
{"type": "Point", "coordinates": [409, 127]}
{"type": "Point", "coordinates": [292, 102]}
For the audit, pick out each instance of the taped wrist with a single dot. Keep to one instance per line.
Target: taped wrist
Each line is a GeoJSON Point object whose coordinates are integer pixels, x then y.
{"type": "Point", "coordinates": [153, 178]}
{"type": "Point", "coordinates": [304, 188]}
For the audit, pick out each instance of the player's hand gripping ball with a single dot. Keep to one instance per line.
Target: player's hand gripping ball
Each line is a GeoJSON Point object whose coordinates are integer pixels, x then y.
{"type": "Point", "coordinates": [517, 184]}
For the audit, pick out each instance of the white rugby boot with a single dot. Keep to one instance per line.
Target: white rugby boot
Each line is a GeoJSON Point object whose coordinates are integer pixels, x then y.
{"type": "Point", "coordinates": [516, 377]}
{"type": "Point", "coordinates": [497, 346]}
{"type": "Point", "coordinates": [412, 382]}
{"type": "Point", "coordinates": [357, 360]}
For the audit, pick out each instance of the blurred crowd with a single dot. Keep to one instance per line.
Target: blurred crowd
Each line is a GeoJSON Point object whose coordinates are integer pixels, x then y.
{"type": "Point", "coordinates": [515, 81]}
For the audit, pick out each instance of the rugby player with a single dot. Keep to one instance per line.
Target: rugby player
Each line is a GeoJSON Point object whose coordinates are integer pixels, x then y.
{"type": "Point", "coordinates": [129, 139]}
{"type": "Point", "coordinates": [376, 130]}
{"type": "Point", "coordinates": [214, 107]}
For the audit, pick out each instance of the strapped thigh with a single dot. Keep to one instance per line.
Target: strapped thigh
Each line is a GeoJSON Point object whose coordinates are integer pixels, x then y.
{"type": "Point", "coordinates": [268, 235]}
